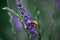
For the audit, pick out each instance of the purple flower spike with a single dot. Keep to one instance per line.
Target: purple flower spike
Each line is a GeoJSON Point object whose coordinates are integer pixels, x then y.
{"type": "Point", "coordinates": [23, 11]}
{"type": "Point", "coordinates": [58, 4]}
{"type": "Point", "coordinates": [31, 30]}
{"type": "Point", "coordinates": [16, 22]}
{"type": "Point", "coordinates": [27, 21]}
{"type": "Point", "coordinates": [33, 34]}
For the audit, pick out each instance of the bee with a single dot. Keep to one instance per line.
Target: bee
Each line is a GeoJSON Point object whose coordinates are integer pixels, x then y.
{"type": "Point", "coordinates": [35, 23]}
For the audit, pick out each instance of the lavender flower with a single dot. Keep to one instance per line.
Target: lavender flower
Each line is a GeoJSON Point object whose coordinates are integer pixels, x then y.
{"type": "Point", "coordinates": [27, 21]}
{"type": "Point", "coordinates": [16, 22]}
{"type": "Point", "coordinates": [58, 4]}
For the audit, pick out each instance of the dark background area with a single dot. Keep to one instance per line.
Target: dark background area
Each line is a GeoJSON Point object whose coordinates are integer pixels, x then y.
{"type": "Point", "coordinates": [3, 20]}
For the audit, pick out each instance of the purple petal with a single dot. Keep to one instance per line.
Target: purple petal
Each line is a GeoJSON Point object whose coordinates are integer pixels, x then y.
{"type": "Point", "coordinates": [58, 4]}
{"type": "Point", "coordinates": [16, 22]}
{"type": "Point", "coordinates": [33, 34]}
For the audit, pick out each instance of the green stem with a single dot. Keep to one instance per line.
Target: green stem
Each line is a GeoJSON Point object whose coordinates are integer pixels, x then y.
{"type": "Point", "coordinates": [38, 18]}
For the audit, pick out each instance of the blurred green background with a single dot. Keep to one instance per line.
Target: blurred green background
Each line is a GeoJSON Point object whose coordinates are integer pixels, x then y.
{"type": "Point", "coordinates": [5, 26]}
{"type": "Point", "coordinates": [4, 22]}
{"type": "Point", "coordinates": [46, 7]}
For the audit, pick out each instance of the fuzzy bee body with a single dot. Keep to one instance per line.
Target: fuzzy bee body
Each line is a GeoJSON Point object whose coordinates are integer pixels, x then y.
{"type": "Point", "coordinates": [35, 23]}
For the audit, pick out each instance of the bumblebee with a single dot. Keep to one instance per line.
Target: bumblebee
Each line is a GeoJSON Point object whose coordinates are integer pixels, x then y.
{"type": "Point", "coordinates": [35, 23]}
